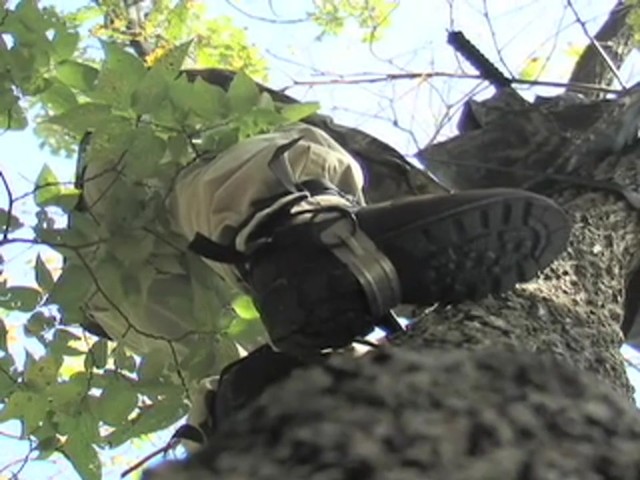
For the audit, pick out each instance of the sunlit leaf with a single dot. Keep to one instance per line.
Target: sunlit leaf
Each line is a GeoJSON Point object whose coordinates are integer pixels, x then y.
{"type": "Point", "coordinates": [298, 111]}
{"type": "Point", "coordinates": [533, 69]}
{"type": "Point", "coordinates": [209, 101]}
{"type": "Point", "coordinates": [244, 307]}
{"type": "Point", "coordinates": [77, 75]}
{"type": "Point", "coordinates": [65, 43]}
{"type": "Point", "coordinates": [243, 94]}
{"type": "Point", "coordinates": [59, 97]}
{"type": "Point", "coordinates": [152, 90]}
{"type": "Point", "coordinates": [82, 118]}
{"type": "Point", "coordinates": [47, 186]}
{"type": "Point", "coordinates": [172, 60]}
{"type": "Point", "coordinates": [120, 74]}
{"type": "Point", "coordinates": [62, 341]}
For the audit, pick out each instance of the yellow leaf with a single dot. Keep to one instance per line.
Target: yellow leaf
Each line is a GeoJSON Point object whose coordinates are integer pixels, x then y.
{"type": "Point", "coordinates": [533, 69]}
{"type": "Point", "coordinates": [574, 51]}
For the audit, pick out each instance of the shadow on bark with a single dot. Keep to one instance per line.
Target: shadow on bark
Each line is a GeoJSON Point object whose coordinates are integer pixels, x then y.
{"type": "Point", "coordinates": [396, 414]}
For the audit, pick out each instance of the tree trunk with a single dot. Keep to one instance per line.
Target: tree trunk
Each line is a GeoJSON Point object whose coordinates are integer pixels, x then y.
{"type": "Point", "coordinates": [528, 385]}
{"type": "Point", "coordinates": [615, 38]}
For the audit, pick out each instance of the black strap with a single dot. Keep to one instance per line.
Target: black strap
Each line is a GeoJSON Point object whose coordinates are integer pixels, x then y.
{"type": "Point", "coordinates": [212, 250]}
{"type": "Point", "coordinates": [188, 432]}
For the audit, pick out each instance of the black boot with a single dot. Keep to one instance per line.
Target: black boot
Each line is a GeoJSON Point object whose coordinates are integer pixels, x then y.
{"type": "Point", "coordinates": [323, 281]}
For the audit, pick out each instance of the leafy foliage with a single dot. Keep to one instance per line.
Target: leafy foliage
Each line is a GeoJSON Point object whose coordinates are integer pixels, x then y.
{"type": "Point", "coordinates": [146, 123]}
{"type": "Point", "coordinates": [370, 16]}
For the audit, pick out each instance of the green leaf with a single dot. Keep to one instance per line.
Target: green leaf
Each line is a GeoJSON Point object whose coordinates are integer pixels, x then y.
{"type": "Point", "coordinates": [77, 75]}
{"type": "Point", "coordinates": [38, 323]}
{"type": "Point", "coordinates": [161, 415]}
{"type": "Point", "coordinates": [243, 94]}
{"type": "Point", "coordinates": [298, 111]}
{"type": "Point", "coordinates": [64, 43]}
{"type": "Point", "coordinates": [120, 74]}
{"type": "Point", "coordinates": [8, 382]}
{"type": "Point", "coordinates": [150, 92]}
{"type": "Point", "coordinates": [67, 199]}
{"type": "Point", "coordinates": [59, 97]}
{"type": "Point", "coordinates": [116, 403]}
{"type": "Point", "coordinates": [47, 186]}
{"type": "Point", "coordinates": [171, 62]}
{"type": "Point", "coordinates": [81, 423]}
{"type": "Point", "coordinates": [47, 446]}
{"type": "Point", "coordinates": [13, 118]}
{"type": "Point", "coordinates": [30, 407]}
{"type": "Point", "coordinates": [42, 373]}
{"type": "Point", "coordinates": [123, 360]}
{"type": "Point", "coordinates": [219, 139]}
{"type": "Point", "coordinates": [82, 118]}
{"type": "Point", "coordinates": [59, 345]}
{"type": "Point", "coordinates": [144, 155]}
{"type": "Point", "coordinates": [66, 396]}
{"type": "Point", "coordinates": [133, 248]}
{"type": "Point", "coordinates": [21, 299]}
{"type": "Point", "coordinates": [83, 457]}
{"type": "Point", "coordinates": [178, 148]}
{"type": "Point", "coordinates": [13, 221]}
{"type": "Point", "coordinates": [3, 336]}
{"type": "Point", "coordinates": [72, 287]}
{"type": "Point", "coordinates": [153, 365]}
{"type": "Point", "coordinates": [44, 279]}
{"type": "Point", "coordinates": [98, 353]}
{"type": "Point", "coordinates": [109, 275]}
{"type": "Point", "coordinates": [158, 416]}
{"type": "Point", "coordinates": [266, 102]}
{"type": "Point", "coordinates": [110, 140]}
{"type": "Point", "coordinates": [245, 308]}
{"type": "Point", "coordinates": [209, 101]}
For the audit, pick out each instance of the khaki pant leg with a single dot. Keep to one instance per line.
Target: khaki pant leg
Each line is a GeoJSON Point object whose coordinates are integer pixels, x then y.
{"type": "Point", "coordinates": [217, 198]}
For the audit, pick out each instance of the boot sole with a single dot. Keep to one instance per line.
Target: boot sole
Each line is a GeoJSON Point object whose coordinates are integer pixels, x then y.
{"type": "Point", "coordinates": [480, 249]}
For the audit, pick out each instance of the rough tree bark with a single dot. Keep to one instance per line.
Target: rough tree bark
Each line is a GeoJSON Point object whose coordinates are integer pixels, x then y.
{"type": "Point", "coordinates": [615, 37]}
{"type": "Point", "coordinates": [529, 385]}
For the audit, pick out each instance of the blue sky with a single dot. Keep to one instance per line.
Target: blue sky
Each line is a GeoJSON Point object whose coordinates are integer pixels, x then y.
{"type": "Point", "coordinates": [416, 42]}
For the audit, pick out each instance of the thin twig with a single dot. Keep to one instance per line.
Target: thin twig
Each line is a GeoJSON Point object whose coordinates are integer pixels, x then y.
{"type": "Point", "coordinates": [10, 199]}
{"type": "Point", "coordinates": [265, 19]}
{"type": "Point", "coordinates": [597, 46]}
{"type": "Point", "coordinates": [388, 77]}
